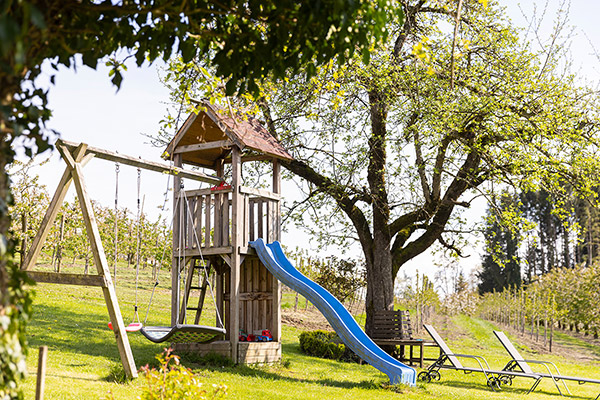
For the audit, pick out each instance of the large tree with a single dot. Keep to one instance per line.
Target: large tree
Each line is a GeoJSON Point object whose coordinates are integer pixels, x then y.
{"type": "Point", "coordinates": [245, 40]}
{"type": "Point", "coordinates": [391, 152]}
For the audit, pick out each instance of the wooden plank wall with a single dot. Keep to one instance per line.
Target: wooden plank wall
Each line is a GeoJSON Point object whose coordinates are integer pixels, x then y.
{"type": "Point", "coordinates": [207, 219]}
{"type": "Point", "coordinates": [256, 296]}
{"type": "Point", "coordinates": [209, 212]}
{"type": "Point", "coordinates": [263, 219]}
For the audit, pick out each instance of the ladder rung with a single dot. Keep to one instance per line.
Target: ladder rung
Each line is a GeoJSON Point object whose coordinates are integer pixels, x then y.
{"type": "Point", "coordinates": [192, 308]}
{"type": "Point", "coordinates": [195, 287]}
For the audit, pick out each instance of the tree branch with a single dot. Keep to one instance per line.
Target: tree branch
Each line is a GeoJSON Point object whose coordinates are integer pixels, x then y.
{"type": "Point", "coordinates": [325, 185]}
{"type": "Point", "coordinates": [439, 167]}
{"type": "Point", "coordinates": [464, 179]}
{"type": "Point", "coordinates": [419, 159]}
{"type": "Point", "coordinates": [451, 247]}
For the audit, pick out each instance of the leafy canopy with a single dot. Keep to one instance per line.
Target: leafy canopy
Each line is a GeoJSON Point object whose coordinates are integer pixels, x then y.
{"type": "Point", "coordinates": [244, 41]}
{"type": "Point", "coordinates": [397, 147]}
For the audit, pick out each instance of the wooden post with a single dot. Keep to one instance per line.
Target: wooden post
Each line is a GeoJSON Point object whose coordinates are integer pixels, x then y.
{"type": "Point", "coordinates": [175, 289]}
{"type": "Point", "coordinates": [110, 296]}
{"type": "Point", "coordinates": [277, 230]}
{"type": "Point", "coordinates": [220, 289]}
{"type": "Point", "coordinates": [236, 230]}
{"type": "Point", "coordinates": [61, 237]}
{"type": "Point", "coordinates": [545, 327]}
{"type": "Point", "coordinates": [41, 373]}
{"type": "Point", "coordinates": [53, 208]}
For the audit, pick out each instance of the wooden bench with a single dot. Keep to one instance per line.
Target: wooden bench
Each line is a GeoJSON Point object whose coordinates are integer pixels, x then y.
{"type": "Point", "coordinates": [393, 328]}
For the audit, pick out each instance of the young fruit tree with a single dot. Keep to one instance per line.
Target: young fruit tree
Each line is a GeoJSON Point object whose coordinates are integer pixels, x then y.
{"type": "Point", "coordinates": [390, 152]}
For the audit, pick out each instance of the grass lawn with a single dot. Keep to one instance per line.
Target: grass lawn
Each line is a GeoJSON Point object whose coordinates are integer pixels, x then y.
{"type": "Point", "coordinates": [83, 361]}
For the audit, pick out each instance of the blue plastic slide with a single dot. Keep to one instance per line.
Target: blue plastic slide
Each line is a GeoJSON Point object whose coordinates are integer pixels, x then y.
{"type": "Point", "coordinates": [341, 320]}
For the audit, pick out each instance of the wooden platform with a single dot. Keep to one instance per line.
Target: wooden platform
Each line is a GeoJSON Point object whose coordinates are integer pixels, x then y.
{"type": "Point", "coordinates": [248, 352]}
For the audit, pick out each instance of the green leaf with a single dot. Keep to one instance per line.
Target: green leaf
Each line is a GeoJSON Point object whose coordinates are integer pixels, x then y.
{"type": "Point", "coordinates": [117, 78]}
{"type": "Point", "coordinates": [37, 18]}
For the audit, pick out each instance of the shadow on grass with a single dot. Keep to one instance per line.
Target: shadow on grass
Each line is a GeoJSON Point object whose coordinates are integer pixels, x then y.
{"type": "Point", "coordinates": [277, 372]}
{"type": "Point", "coordinates": [67, 330]}
{"type": "Point", "coordinates": [263, 373]}
{"type": "Point", "coordinates": [505, 389]}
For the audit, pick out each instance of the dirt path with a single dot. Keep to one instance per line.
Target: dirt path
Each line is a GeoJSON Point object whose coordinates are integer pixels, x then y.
{"type": "Point", "coordinates": [308, 320]}
{"type": "Point", "coordinates": [570, 345]}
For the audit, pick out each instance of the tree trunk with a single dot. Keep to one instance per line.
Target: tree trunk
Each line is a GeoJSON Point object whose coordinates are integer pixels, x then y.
{"type": "Point", "coordinates": [380, 278]}
{"type": "Point", "coordinates": [4, 200]}
{"type": "Point", "coordinates": [380, 285]}
{"type": "Point", "coordinates": [551, 336]}
{"type": "Point", "coordinates": [24, 243]}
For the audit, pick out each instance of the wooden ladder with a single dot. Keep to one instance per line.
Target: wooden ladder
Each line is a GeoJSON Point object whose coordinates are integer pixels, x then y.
{"type": "Point", "coordinates": [203, 274]}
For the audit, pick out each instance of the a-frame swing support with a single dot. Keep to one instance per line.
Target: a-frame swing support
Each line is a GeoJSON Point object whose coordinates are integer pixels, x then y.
{"type": "Point", "coordinates": [76, 156]}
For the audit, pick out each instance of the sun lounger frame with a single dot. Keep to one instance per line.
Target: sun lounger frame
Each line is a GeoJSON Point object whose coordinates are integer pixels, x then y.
{"type": "Point", "coordinates": [494, 378]}
{"type": "Point", "coordinates": [519, 362]}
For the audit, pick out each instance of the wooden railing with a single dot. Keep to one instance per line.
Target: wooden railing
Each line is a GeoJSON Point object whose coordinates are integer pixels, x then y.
{"type": "Point", "coordinates": [206, 218]}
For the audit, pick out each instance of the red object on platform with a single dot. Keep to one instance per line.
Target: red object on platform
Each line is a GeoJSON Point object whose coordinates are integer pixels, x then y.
{"type": "Point", "coordinates": [221, 186]}
{"type": "Point", "coordinates": [267, 333]}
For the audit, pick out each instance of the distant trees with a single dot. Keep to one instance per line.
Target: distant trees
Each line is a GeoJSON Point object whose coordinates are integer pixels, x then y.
{"type": "Point", "coordinates": [547, 232]}
{"type": "Point", "coordinates": [501, 264]}
{"type": "Point", "coordinates": [552, 240]}
{"type": "Point", "coordinates": [566, 298]}
{"type": "Point", "coordinates": [68, 236]}
{"type": "Point", "coordinates": [342, 277]}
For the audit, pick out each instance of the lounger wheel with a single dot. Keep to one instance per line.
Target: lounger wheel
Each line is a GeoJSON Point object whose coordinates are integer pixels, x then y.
{"type": "Point", "coordinates": [424, 376]}
{"type": "Point", "coordinates": [494, 383]}
{"type": "Point", "coordinates": [435, 375]}
{"type": "Point", "coordinates": [506, 380]}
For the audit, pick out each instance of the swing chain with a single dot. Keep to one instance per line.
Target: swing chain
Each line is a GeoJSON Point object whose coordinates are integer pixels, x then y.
{"type": "Point", "coordinates": [116, 232]}
{"type": "Point", "coordinates": [138, 243]}
{"type": "Point", "coordinates": [139, 184]}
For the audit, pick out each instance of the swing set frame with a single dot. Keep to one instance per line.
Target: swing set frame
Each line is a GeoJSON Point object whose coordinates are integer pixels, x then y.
{"type": "Point", "coordinates": [76, 156]}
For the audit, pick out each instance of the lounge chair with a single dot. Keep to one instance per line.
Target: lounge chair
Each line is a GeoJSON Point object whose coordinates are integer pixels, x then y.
{"type": "Point", "coordinates": [519, 363]}
{"type": "Point", "coordinates": [450, 360]}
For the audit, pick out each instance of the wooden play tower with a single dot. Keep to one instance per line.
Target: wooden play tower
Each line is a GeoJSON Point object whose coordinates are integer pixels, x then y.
{"type": "Point", "coordinates": [212, 228]}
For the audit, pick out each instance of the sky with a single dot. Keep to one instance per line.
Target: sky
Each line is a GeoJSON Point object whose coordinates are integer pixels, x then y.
{"type": "Point", "coordinates": [88, 108]}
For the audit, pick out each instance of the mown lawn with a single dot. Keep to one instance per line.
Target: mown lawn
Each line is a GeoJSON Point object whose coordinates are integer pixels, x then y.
{"type": "Point", "coordinates": [83, 361]}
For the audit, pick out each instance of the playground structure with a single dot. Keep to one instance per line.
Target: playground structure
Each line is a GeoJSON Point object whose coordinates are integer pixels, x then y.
{"type": "Point", "coordinates": [211, 230]}
{"type": "Point", "coordinates": [217, 230]}
{"type": "Point", "coordinates": [76, 156]}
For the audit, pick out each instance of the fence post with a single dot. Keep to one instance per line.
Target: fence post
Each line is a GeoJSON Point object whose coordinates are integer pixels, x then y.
{"type": "Point", "coordinates": [41, 373]}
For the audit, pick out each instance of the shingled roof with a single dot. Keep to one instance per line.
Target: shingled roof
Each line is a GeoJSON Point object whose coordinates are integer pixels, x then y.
{"type": "Point", "coordinates": [212, 125]}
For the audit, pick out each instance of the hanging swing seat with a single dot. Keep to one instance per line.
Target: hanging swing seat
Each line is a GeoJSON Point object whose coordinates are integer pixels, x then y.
{"type": "Point", "coordinates": [132, 327]}
{"type": "Point", "coordinates": [181, 333]}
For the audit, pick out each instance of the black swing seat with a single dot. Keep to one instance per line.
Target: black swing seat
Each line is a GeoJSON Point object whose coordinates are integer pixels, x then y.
{"type": "Point", "coordinates": [183, 333]}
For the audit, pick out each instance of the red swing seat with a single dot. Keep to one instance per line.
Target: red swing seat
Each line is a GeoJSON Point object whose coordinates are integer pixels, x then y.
{"type": "Point", "coordinates": [132, 327]}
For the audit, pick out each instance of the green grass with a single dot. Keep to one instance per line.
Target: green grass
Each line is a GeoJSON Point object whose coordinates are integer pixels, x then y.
{"type": "Point", "coordinates": [83, 361]}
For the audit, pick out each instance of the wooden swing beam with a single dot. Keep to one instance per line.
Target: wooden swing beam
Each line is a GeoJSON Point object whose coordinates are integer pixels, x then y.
{"type": "Point", "coordinates": [76, 156]}
{"type": "Point", "coordinates": [144, 164]}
